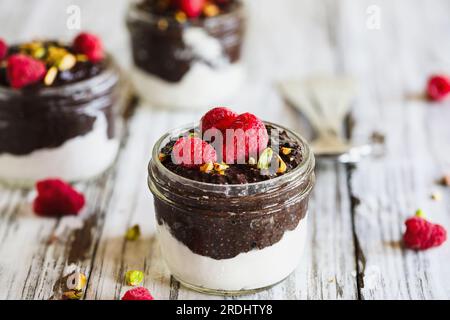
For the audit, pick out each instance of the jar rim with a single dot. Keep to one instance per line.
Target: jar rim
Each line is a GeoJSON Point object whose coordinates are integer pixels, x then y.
{"type": "Point", "coordinates": [150, 17]}
{"type": "Point", "coordinates": [308, 162]}
{"type": "Point", "coordinates": [111, 68]}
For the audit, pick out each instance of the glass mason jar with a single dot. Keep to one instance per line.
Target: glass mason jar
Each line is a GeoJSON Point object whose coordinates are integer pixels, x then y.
{"type": "Point", "coordinates": [67, 131]}
{"type": "Point", "coordinates": [193, 65]}
{"type": "Point", "coordinates": [231, 239]}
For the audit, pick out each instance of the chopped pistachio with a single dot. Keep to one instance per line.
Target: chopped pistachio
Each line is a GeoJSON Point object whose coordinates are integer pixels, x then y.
{"type": "Point", "coordinates": [180, 16]}
{"type": "Point", "coordinates": [67, 62]}
{"type": "Point", "coordinates": [133, 233]}
{"type": "Point", "coordinates": [76, 281]}
{"type": "Point", "coordinates": [30, 45]}
{"type": "Point", "coordinates": [420, 213]}
{"type": "Point", "coordinates": [265, 159]}
{"type": "Point", "coordinates": [281, 165]}
{"type": "Point", "coordinates": [161, 156]}
{"type": "Point", "coordinates": [286, 151]}
{"type": "Point", "coordinates": [211, 10]}
{"type": "Point", "coordinates": [134, 277]}
{"type": "Point", "coordinates": [163, 24]}
{"type": "Point", "coordinates": [82, 57]}
{"type": "Point", "coordinates": [39, 53]}
{"type": "Point", "coordinates": [220, 166]}
{"type": "Point", "coordinates": [33, 48]}
{"type": "Point", "coordinates": [55, 54]}
{"type": "Point", "coordinates": [73, 294]}
{"type": "Point", "coordinates": [436, 196]}
{"type": "Point", "coordinates": [50, 76]}
{"type": "Point", "coordinates": [207, 167]}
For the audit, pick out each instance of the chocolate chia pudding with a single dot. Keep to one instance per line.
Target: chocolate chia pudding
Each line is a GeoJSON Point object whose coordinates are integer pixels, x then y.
{"type": "Point", "coordinates": [238, 227]}
{"type": "Point", "coordinates": [58, 110]}
{"type": "Point", "coordinates": [186, 59]}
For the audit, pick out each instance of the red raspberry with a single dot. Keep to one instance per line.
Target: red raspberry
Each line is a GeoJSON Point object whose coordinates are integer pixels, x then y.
{"type": "Point", "coordinates": [23, 70]}
{"type": "Point", "coordinates": [192, 8]}
{"type": "Point", "coordinates": [256, 138]}
{"type": "Point", "coordinates": [57, 198]}
{"type": "Point", "coordinates": [192, 152]}
{"type": "Point", "coordinates": [90, 45]}
{"type": "Point", "coordinates": [220, 118]}
{"type": "Point", "coordinates": [138, 293]}
{"type": "Point", "coordinates": [3, 48]}
{"type": "Point", "coordinates": [421, 234]}
{"type": "Point", "coordinates": [438, 87]}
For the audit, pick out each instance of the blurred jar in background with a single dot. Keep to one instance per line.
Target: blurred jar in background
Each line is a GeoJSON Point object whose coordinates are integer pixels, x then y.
{"type": "Point", "coordinates": [64, 125]}
{"type": "Point", "coordinates": [187, 57]}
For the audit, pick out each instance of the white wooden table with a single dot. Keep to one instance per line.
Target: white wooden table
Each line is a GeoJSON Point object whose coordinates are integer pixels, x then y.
{"type": "Point", "coordinates": [357, 213]}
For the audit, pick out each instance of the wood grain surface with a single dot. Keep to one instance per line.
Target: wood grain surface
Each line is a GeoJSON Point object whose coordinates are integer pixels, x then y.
{"type": "Point", "coordinates": [356, 212]}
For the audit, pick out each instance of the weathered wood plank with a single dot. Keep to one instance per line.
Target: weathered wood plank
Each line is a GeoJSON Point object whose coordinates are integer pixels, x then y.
{"type": "Point", "coordinates": [390, 189]}
{"type": "Point", "coordinates": [300, 38]}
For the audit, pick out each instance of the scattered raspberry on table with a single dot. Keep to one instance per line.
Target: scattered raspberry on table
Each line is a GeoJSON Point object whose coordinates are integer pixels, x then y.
{"type": "Point", "coordinates": [139, 293]}
{"type": "Point", "coordinates": [422, 235]}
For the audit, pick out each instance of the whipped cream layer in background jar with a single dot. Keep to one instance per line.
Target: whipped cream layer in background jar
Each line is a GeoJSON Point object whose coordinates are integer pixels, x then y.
{"type": "Point", "coordinates": [67, 131]}
{"type": "Point", "coordinates": [231, 239]}
{"type": "Point", "coordinates": [190, 65]}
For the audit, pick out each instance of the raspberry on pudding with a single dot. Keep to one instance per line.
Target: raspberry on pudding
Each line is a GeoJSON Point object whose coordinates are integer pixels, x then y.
{"type": "Point", "coordinates": [233, 226]}
{"type": "Point", "coordinates": [187, 54]}
{"type": "Point", "coordinates": [58, 106]}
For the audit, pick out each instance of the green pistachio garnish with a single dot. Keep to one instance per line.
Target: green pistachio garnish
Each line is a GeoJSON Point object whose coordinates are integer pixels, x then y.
{"type": "Point", "coordinates": [50, 76]}
{"type": "Point", "coordinates": [134, 277]}
{"type": "Point", "coordinates": [211, 10]}
{"type": "Point", "coordinates": [76, 281]}
{"type": "Point", "coordinates": [162, 24]}
{"type": "Point", "coordinates": [180, 16]}
{"type": "Point", "coordinates": [161, 156]}
{"type": "Point", "coordinates": [420, 213]}
{"type": "Point", "coordinates": [207, 167]}
{"type": "Point", "coordinates": [67, 62]}
{"type": "Point", "coordinates": [286, 151]}
{"type": "Point", "coordinates": [281, 165]}
{"type": "Point", "coordinates": [81, 57]}
{"type": "Point", "coordinates": [265, 159]}
{"type": "Point", "coordinates": [220, 166]}
{"type": "Point", "coordinates": [133, 233]}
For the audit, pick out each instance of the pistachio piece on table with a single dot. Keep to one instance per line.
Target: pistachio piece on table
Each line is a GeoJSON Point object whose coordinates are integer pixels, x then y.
{"type": "Point", "coordinates": [133, 233]}
{"type": "Point", "coordinates": [76, 281]}
{"type": "Point", "coordinates": [134, 277]}
{"type": "Point", "coordinates": [207, 167]}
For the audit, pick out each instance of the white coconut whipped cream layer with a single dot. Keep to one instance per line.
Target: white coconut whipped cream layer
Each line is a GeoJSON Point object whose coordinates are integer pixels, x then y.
{"type": "Point", "coordinates": [211, 79]}
{"type": "Point", "coordinates": [255, 269]}
{"type": "Point", "coordinates": [79, 158]}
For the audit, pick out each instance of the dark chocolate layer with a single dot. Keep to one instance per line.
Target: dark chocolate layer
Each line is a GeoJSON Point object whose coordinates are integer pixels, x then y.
{"type": "Point", "coordinates": [34, 117]}
{"type": "Point", "coordinates": [224, 235]}
{"type": "Point", "coordinates": [162, 51]}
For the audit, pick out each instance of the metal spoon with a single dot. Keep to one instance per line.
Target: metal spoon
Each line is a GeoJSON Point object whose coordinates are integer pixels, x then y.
{"type": "Point", "coordinates": [325, 101]}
